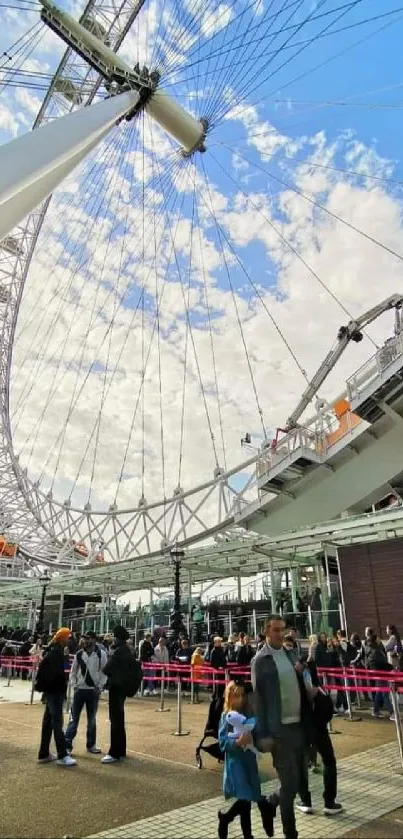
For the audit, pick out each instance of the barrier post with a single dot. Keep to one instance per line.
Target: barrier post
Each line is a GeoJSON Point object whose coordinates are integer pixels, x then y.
{"type": "Point", "coordinates": [398, 722]}
{"type": "Point", "coordinates": [357, 692]}
{"type": "Point", "coordinates": [310, 625]}
{"type": "Point", "coordinates": [162, 708]}
{"type": "Point", "coordinates": [192, 687]}
{"type": "Point", "coordinates": [10, 670]}
{"type": "Point", "coordinates": [34, 672]}
{"type": "Point", "coordinates": [331, 729]}
{"type": "Point", "coordinates": [351, 718]}
{"type": "Point", "coordinates": [179, 732]}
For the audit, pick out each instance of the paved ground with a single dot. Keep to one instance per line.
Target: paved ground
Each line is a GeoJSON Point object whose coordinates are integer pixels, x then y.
{"type": "Point", "coordinates": [360, 791]}
{"type": "Point", "coordinates": [159, 777]}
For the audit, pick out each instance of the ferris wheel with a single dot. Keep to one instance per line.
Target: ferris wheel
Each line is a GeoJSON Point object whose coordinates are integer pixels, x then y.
{"type": "Point", "coordinates": [174, 293]}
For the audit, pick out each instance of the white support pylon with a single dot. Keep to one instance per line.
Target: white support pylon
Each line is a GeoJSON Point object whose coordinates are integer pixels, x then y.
{"type": "Point", "coordinates": [33, 165]}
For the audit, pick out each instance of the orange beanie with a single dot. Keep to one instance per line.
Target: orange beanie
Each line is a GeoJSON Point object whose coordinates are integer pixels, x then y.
{"type": "Point", "coordinates": [62, 634]}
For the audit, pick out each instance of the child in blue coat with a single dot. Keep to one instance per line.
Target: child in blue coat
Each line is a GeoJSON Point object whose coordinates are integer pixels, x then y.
{"type": "Point", "coordinates": [241, 776]}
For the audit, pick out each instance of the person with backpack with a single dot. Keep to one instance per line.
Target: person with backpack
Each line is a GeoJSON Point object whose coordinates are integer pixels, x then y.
{"type": "Point", "coordinates": [51, 680]}
{"type": "Point", "coordinates": [322, 713]}
{"type": "Point", "coordinates": [87, 681]}
{"type": "Point", "coordinates": [124, 679]}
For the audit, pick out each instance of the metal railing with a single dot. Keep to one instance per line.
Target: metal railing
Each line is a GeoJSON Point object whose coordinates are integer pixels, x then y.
{"type": "Point", "coordinates": [376, 367]}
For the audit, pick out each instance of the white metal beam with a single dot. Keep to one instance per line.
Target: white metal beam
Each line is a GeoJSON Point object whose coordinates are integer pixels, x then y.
{"type": "Point", "coordinates": [33, 165]}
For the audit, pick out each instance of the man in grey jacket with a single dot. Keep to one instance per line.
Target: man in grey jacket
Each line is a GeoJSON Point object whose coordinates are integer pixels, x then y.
{"type": "Point", "coordinates": [283, 717]}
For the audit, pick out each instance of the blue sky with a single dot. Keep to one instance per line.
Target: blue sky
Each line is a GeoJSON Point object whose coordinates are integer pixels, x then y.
{"type": "Point", "coordinates": [243, 235]}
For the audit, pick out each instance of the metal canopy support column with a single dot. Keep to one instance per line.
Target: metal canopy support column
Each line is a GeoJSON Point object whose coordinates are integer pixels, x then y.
{"type": "Point", "coordinates": [272, 586]}
{"type": "Point", "coordinates": [189, 601]}
{"type": "Point", "coordinates": [103, 613]}
{"type": "Point", "coordinates": [61, 606]}
{"type": "Point", "coordinates": [293, 575]}
{"type": "Point", "coordinates": [328, 586]}
{"type": "Point", "coordinates": [151, 611]}
{"type": "Point", "coordinates": [239, 588]}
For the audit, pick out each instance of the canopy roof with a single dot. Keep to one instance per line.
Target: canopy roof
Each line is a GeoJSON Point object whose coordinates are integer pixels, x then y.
{"type": "Point", "coordinates": [243, 553]}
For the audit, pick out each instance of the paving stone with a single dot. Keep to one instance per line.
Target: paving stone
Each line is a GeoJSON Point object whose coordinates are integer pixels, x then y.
{"type": "Point", "coordinates": [361, 791]}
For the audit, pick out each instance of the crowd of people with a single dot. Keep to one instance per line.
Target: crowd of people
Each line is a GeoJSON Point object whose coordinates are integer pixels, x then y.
{"type": "Point", "coordinates": [271, 685]}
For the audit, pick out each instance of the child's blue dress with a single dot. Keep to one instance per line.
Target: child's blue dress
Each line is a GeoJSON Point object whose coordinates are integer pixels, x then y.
{"type": "Point", "coordinates": [241, 776]}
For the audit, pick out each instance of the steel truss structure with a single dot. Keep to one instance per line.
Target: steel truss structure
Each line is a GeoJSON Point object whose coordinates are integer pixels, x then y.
{"type": "Point", "coordinates": [47, 529]}
{"type": "Point", "coordinates": [224, 558]}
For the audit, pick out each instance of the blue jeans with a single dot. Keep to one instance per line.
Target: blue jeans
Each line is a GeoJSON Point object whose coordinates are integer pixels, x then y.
{"type": "Point", "coordinates": [382, 698]}
{"type": "Point", "coordinates": [90, 698]}
{"type": "Point", "coordinates": [52, 723]}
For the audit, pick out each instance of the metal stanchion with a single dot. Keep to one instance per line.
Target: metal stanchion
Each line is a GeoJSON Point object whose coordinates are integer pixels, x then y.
{"type": "Point", "coordinates": [179, 732]}
{"type": "Point", "coordinates": [34, 672]}
{"type": "Point", "coordinates": [398, 722]}
{"type": "Point", "coordinates": [357, 692]}
{"type": "Point", "coordinates": [162, 708]}
{"type": "Point", "coordinates": [10, 671]}
{"type": "Point", "coordinates": [331, 729]}
{"type": "Point", "coordinates": [351, 717]}
{"type": "Point", "coordinates": [192, 687]}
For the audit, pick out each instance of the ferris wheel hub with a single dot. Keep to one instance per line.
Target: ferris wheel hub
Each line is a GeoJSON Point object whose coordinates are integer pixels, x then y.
{"type": "Point", "coordinates": [189, 132]}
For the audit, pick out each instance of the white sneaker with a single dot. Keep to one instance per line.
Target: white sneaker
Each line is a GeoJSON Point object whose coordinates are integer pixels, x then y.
{"type": "Point", "coordinates": [49, 759]}
{"type": "Point", "coordinates": [94, 750]}
{"type": "Point", "coordinates": [304, 808]}
{"type": "Point", "coordinates": [146, 693]}
{"type": "Point", "coordinates": [66, 761]}
{"type": "Point", "coordinates": [110, 759]}
{"type": "Point", "coordinates": [154, 692]}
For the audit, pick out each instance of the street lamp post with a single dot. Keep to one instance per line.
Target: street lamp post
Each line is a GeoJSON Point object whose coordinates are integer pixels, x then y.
{"type": "Point", "coordinates": [45, 581]}
{"type": "Point", "coordinates": [176, 623]}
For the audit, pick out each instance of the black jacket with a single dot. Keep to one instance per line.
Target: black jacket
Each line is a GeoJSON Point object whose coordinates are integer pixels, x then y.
{"type": "Point", "coordinates": [218, 658]}
{"type": "Point", "coordinates": [118, 665]}
{"type": "Point", "coordinates": [146, 650]}
{"type": "Point", "coordinates": [52, 670]}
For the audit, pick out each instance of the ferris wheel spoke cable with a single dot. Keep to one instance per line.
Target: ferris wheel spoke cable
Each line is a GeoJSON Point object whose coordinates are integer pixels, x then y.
{"type": "Point", "coordinates": [116, 306]}
{"type": "Point", "coordinates": [255, 76]}
{"type": "Point", "coordinates": [211, 333]}
{"type": "Point", "coordinates": [234, 300]}
{"type": "Point", "coordinates": [293, 250]}
{"type": "Point", "coordinates": [24, 52]}
{"type": "Point", "coordinates": [261, 37]}
{"type": "Point", "coordinates": [91, 367]}
{"type": "Point", "coordinates": [79, 247]}
{"type": "Point", "coordinates": [77, 394]}
{"type": "Point", "coordinates": [224, 77]}
{"type": "Point", "coordinates": [185, 33]}
{"type": "Point", "coordinates": [330, 58]}
{"type": "Point", "coordinates": [130, 326]}
{"type": "Point", "coordinates": [215, 50]}
{"type": "Point", "coordinates": [305, 42]}
{"type": "Point", "coordinates": [20, 43]}
{"type": "Point", "coordinates": [62, 207]}
{"type": "Point", "coordinates": [185, 360]}
{"type": "Point", "coordinates": [325, 209]}
{"type": "Point", "coordinates": [92, 190]}
{"type": "Point", "coordinates": [253, 285]}
{"type": "Point", "coordinates": [158, 328]}
{"type": "Point", "coordinates": [160, 298]}
{"type": "Point", "coordinates": [191, 335]}
{"type": "Point", "coordinates": [254, 72]}
{"type": "Point", "coordinates": [58, 357]}
{"type": "Point", "coordinates": [196, 358]}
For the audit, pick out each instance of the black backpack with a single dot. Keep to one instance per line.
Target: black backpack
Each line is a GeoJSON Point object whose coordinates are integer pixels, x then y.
{"type": "Point", "coordinates": [133, 677]}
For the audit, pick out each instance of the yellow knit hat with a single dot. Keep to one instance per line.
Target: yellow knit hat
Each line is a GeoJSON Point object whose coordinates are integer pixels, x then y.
{"type": "Point", "coordinates": [62, 634]}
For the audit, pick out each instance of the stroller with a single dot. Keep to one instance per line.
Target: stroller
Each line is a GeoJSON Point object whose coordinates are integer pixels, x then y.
{"type": "Point", "coordinates": [211, 732]}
